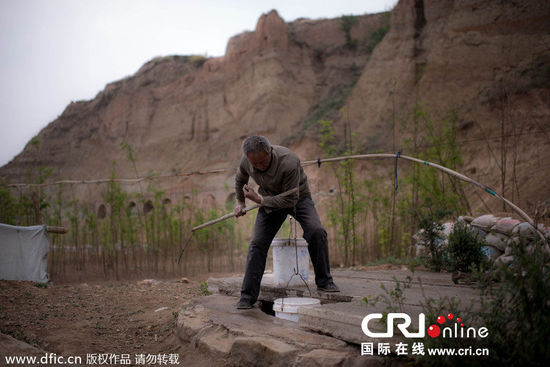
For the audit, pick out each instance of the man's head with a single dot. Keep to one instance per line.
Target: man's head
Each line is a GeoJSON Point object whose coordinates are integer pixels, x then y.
{"type": "Point", "coordinates": [258, 151]}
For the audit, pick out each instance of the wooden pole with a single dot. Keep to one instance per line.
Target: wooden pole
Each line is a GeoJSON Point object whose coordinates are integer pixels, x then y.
{"type": "Point", "coordinates": [245, 210]}
{"type": "Point", "coordinates": [227, 216]}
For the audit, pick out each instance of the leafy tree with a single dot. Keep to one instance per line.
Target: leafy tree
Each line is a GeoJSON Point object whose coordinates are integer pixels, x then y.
{"type": "Point", "coordinates": [344, 217]}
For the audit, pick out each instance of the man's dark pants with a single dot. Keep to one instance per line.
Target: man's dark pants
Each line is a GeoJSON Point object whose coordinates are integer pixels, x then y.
{"type": "Point", "coordinates": [266, 227]}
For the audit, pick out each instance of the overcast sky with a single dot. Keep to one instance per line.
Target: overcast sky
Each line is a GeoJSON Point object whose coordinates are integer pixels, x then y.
{"type": "Point", "coordinates": [57, 51]}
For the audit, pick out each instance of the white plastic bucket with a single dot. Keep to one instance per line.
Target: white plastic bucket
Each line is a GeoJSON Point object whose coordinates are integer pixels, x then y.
{"type": "Point", "coordinates": [284, 262]}
{"type": "Point", "coordinates": [287, 308]}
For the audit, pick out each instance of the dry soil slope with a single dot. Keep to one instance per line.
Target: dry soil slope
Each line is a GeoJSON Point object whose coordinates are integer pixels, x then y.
{"type": "Point", "coordinates": [184, 114]}
{"type": "Point", "coordinates": [487, 60]}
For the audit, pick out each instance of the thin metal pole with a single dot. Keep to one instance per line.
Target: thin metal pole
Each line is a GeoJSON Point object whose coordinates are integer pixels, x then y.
{"type": "Point", "coordinates": [449, 171]}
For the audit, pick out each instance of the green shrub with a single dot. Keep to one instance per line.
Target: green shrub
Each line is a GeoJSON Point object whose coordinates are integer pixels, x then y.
{"type": "Point", "coordinates": [374, 37]}
{"type": "Point", "coordinates": [197, 60]}
{"type": "Point", "coordinates": [430, 222]}
{"type": "Point", "coordinates": [464, 248]}
{"type": "Point", "coordinates": [203, 289]}
{"type": "Point", "coordinates": [8, 205]}
{"type": "Point", "coordinates": [433, 307]}
{"type": "Point", "coordinates": [347, 22]}
{"type": "Point", "coordinates": [516, 308]}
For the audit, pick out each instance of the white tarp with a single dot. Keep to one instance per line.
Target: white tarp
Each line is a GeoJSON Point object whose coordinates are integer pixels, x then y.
{"type": "Point", "coordinates": [24, 253]}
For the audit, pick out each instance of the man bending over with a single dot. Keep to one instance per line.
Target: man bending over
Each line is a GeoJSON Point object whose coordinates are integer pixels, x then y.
{"type": "Point", "coordinates": [283, 190]}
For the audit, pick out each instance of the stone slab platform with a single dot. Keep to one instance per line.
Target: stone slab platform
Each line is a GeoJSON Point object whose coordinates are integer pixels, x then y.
{"type": "Point", "coordinates": [269, 292]}
{"type": "Point", "coordinates": [341, 313]}
{"type": "Point", "coordinates": [234, 337]}
{"type": "Point", "coordinates": [10, 346]}
{"type": "Point", "coordinates": [343, 321]}
{"type": "Point", "coordinates": [354, 285]}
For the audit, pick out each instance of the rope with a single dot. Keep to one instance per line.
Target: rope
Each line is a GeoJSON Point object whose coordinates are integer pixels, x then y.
{"type": "Point", "coordinates": [186, 174]}
{"type": "Point", "coordinates": [297, 268]}
{"type": "Point", "coordinates": [123, 180]}
{"type": "Point", "coordinates": [184, 247]}
{"type": "Point", "coordinates": [396, 183]}
{"type": "Point", "coordinates": [318, 161]}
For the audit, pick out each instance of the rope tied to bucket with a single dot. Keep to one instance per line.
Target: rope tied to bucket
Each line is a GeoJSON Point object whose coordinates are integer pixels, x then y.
{"type": "Point", "coordinates": [296, 269]}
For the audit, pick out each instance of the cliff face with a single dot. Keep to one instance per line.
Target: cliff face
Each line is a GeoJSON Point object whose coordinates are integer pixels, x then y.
{"type": "Point", "coordinates": [184, 114]}
{"type": "Point", "coordinates": [489, 60]}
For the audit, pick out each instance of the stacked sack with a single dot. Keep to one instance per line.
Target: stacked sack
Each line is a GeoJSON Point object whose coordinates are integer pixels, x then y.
{"type": "Point", "coordinates": [499, 234]}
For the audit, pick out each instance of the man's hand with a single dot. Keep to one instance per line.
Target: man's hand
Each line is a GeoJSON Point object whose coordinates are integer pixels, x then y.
{"type": "Point", "coordinates": [239, 209]}
{"type": "Point", "coordinates": [249, 193]}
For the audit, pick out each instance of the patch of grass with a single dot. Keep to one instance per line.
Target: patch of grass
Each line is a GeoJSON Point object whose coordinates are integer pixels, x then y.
{"type": "Point", "coordinates": [410, 262]}
{"type": "Point", "coordinates": [390, 260]}
{"type": "Point", "coordinates": [394, 298]}
{"type": "Point", "coordinates": [41, 285]}
{"type": "Point", "coordinates": [196, 60]}
{"type": "Point", "coordinates": [347, 22]}
{"type": "Point", "coordinates": [373, 38]}
{"type": "Point", "coordinates": [203, 288]}
{"type": "Point", "coordinates": [327, 109]}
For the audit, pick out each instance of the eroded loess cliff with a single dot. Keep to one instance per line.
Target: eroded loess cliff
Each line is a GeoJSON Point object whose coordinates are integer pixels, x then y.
{"type": "Point", "coordinates": [488, 60]}
{"type": "Point", "coordinates": [185, 113]}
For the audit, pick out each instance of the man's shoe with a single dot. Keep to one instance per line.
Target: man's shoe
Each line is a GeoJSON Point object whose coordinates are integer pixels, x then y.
{"type": "Point", "coordinates": [330, 287]}
{"type": "Point", "coordinates": [244, 304]}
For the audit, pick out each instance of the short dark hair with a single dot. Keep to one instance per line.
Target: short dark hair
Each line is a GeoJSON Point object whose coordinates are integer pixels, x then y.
{"type": "Point", "coordinates": [256, 144]}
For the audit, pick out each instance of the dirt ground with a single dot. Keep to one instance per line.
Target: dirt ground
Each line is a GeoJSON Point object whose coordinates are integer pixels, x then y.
{"type": "Point", "coordinates": [116, 317]}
